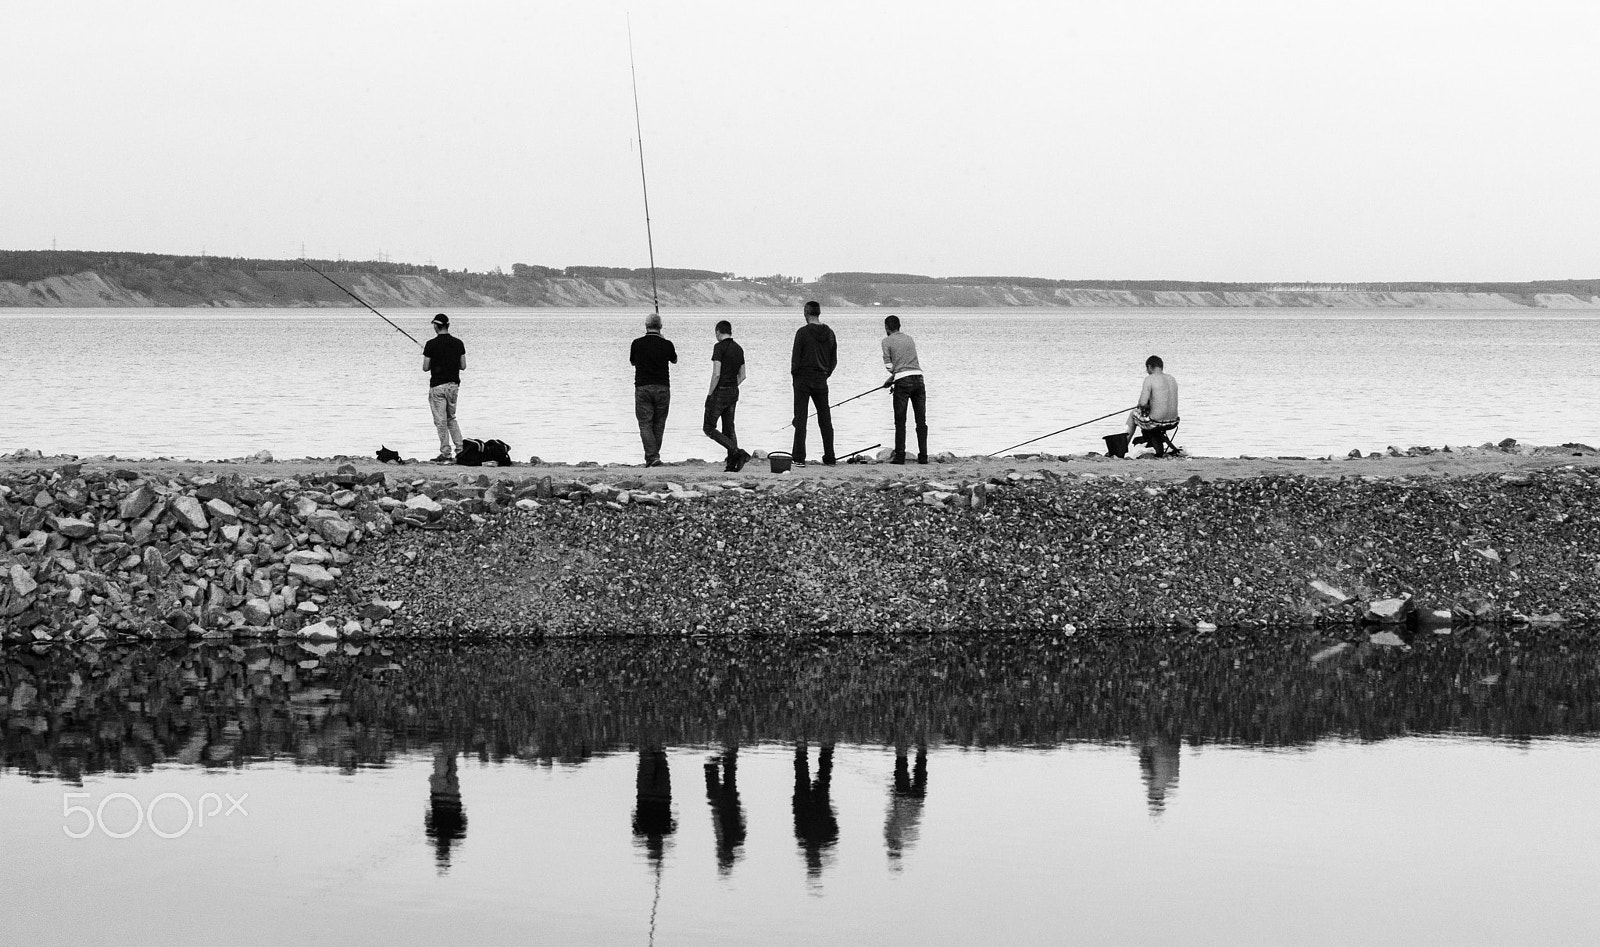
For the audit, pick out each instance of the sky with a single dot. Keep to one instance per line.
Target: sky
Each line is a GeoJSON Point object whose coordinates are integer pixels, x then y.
{"type": "Point", "coordinates": [1249, 141]}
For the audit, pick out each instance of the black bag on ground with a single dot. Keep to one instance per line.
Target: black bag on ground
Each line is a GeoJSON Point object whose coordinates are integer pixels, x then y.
{"type": "Point", "coordinates": [476, 453]}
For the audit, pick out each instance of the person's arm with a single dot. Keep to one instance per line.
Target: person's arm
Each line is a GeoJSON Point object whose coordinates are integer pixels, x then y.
{"type": "Point", "coordinates": [716, 373]}
{"type": "Point", "coordinates": [831, 353]}
{"type": "Point", "coordinates": [1146, 395]}
{"type": "Point", "coordinates": [672, 353]}
{"type": "Point", "coordinates": [463, 365]}
{"type": "Point", "coordinates": [888, 362]}
{"type": "Point", "coordinates": [794, 354]}
{"type": "Point", "coordinates": [427, 364]}
{"type": "Point", "coordinates": [741, 373]}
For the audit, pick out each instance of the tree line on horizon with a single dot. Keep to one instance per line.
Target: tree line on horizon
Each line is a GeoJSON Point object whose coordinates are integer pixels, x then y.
{"type": "Point", "coordinates": [144, 268]}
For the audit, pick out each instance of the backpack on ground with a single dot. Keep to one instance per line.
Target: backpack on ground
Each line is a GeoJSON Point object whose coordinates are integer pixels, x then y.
{"type": "Point", "coordinates": [476, 453]}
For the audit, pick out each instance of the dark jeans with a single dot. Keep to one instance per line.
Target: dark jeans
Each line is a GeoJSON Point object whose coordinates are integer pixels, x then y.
{"type": "Point", "coordinates": [910, 390]}
{"type": "Point", "coordinates": [720, 405]}
{"type": "Point", "coordinates": [650, 403]}
{"type": "Point", "coordinates": [808, 390]}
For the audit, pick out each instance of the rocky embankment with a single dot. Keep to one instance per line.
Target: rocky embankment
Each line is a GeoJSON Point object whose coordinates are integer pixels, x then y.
{"type": "Point", "coordinates": [104, 553]}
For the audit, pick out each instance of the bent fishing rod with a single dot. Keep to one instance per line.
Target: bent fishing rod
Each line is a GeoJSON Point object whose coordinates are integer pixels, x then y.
{"type": "Point", "coordinates": [835, 405]}
{"type": "Point", "coordinates": [1062, 431]}
{"type": "Point", "coordinates": [644, 185]}
{"type": "Point", "coordinates": [358, 299]}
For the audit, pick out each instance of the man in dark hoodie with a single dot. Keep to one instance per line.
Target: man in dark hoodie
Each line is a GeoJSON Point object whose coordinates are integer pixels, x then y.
{"type": "Point", "coordinates": [816, 352]}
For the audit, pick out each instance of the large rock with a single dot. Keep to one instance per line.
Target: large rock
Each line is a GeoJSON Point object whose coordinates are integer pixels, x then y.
{"type": "Point", "coordinates": [22, 581]}
{"type": "Point", "coordinates": [257, 611]}
{"type": "Point", "coordinates": [1390, 611]}
{"type": "Point", "coordinates": [321, 629]}
{"type": "Point", "coordinates": [222, 510]}
{"type": "Point", "coordinates": [191, 515]}
{"type": "Point", "coordinates": [425, 504]}
{"type": "Point", "coordinates": [313, 575]}
{"type": "Point", "coordinates": [1330, 591]}
{"type": "Point", "coordinates": [331, 527]}
{"type": "Point", "coordinates": [137, 503]}
{"type": "Point", "coordinates": [75, 528]}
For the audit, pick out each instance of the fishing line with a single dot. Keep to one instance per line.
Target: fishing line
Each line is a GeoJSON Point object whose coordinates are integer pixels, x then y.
{"type": "Point", "coordinates": [358, 299]}
{"type": "Point", "coordinates": [644, 185]}
{"type": "Point", "coordinates": [1063, 430]}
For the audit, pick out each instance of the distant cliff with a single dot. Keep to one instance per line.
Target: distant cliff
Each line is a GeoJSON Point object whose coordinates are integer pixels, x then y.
{"type": "Point", "coordinates": [78, 279]}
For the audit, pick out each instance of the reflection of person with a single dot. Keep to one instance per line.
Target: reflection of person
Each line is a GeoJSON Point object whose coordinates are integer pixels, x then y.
{"type": "Point", "coordinates": [727, 374]}
{"type": "Point", "coordinates": [443, 358]}
{"type": "Point", "coordinates": [815, 826]}
{"type": "Point", "coordinates": [906, 794]}
{"type": "Point", "coordinates": [727, 817]}
{"type": "Point", "coordinates": [446, 820]}
{"type": "Point", "coordinates": [905, 377]}
{"type": "Point", "coordinates": [1157, 411]}
{"type": "Point", "coordinates": [815, 354]}
{"type": "Point", "coordinates": [1158, 764]}
{"type": "Point", "coordinates": [652, 814]}
{"type": "Point", "coordinates": [652, 386]}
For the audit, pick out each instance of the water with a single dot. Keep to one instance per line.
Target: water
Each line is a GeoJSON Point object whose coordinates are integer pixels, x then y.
{"type": "Point", "coordinates": [556, 383]}
{"type": "Point", "coordinates": [1019, 788]}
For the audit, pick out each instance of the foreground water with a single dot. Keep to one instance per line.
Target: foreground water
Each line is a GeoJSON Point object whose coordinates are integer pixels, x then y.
{"type": "Point", "coordinates": [806, 790]}
{"type": "Point", "coordinates": [556, 383]}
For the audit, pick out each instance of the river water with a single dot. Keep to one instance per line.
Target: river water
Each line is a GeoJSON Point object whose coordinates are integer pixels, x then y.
{"type": "Point", "coordinates": [209, 384]}
{"type": "Point", "coordinates": [941, 790]}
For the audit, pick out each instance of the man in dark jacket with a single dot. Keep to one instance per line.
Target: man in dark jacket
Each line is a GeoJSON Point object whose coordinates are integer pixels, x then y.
{"type": "Point", "coordinates": [652, 386]}
{"type": "Point", "coordinates": [816, 352]}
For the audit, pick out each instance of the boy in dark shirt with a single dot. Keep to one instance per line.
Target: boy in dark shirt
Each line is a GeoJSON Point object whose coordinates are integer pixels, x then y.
{"type": "Point", "coordinates": [443, 358]}
{"type": "Point", "coordinates": [727, 373]}
{"type": "Point", "coordinates": [816, 353]}
{"type": "Point", "coordinates": [652, 386]}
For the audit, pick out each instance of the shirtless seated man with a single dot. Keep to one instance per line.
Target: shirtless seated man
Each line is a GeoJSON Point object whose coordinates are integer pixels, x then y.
{"type": "Point", "coordinates": [1158, 406]}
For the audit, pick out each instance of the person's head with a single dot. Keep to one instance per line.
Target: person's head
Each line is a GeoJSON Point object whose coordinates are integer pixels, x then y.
{"type": "Point", "coordinates": [813, 311]}
{"type": "Point", "coordinates": [652, 322]}
{"type": "Point", "coordinates": [724, 329]}
{"type": "Point", "coordinates": [441, 324]}
{"type": "Point", "coordinates": [891, 324]}
{"type": "Point", "coordinates": [1152, 364]}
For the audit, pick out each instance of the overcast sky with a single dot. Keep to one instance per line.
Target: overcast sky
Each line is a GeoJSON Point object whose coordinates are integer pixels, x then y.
{"type": "Point", "coordinates": [1076, 140]}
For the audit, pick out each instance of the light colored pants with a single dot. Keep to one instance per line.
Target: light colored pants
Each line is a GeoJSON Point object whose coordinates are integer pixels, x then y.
{"type": "Point", "coordinates": [442, 402]}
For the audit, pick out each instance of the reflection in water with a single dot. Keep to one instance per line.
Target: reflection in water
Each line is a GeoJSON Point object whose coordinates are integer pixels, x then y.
{"type": "Point", "coordinates": [727, 816]}
{"type": "Point", "coordinates": [446, 820]}
{"type": "Point", "coordinates": [815, 825]}
{"type": "Point", "coordinates": [70, 714]}
{"type": "Point", "coordinates": [906, 794]}
{"type": "Point", "coordinates": [652, 813]}
{"type": "Point", "coordinates": [1158, 764]}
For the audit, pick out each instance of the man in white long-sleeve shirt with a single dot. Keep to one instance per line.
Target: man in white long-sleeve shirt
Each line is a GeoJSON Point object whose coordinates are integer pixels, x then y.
{"type": "Point", "coordinates": [905, 377]}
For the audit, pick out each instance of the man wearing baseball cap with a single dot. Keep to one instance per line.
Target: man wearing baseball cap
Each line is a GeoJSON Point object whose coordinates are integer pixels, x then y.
{"type": "Point", "coordinates": [443, 358]}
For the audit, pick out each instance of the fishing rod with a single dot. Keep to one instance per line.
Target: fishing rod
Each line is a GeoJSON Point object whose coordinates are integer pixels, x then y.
{"type": "Point", "coordinates": [644, 185]}
{"type": "Point", "coordinates": [861, 451]}
{"type": "Point", "coordinates": [832, 406]}
{"type": "Point", "coordinates": [1063, 430]}
{"type": "Point", "coordinates": [358, 299]}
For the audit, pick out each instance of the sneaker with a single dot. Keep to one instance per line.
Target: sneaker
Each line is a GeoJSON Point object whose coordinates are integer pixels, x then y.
{"type": "Point", "coordinates": [922, 458]}
{"type": "Point", "coordinates": [739, 460]}
{"type": "Point", "coordinates": [653, 463]}
{"type": "Point", "coordinates": [899, 460]}
{"type": "Point", "coordinates": [829, 461]}
{"type": "Point", "coordinates": [445, 457]}
{"type": "Point", "coordinates": [797, 463]}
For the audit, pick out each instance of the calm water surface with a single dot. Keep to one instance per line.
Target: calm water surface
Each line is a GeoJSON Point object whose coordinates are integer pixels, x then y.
{"type": "Point", "coordinates": [556, 383]}
{"type": "Point", "coordinates": [946, 790]}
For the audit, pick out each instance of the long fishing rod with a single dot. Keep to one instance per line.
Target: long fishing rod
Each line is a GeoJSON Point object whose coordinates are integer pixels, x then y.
{"type": "Point", "coordinates": [358, 299]}
{"type": "Point", "coordinates": [644, 185]}
{"type": "Point", "coordinates": [836, 404]}
{"type": "Point", "coordinates": [1063, 430]}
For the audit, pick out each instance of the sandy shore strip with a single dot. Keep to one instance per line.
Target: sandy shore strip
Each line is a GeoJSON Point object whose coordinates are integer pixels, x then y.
{"type": "Point", "coordinates": [100, 548]}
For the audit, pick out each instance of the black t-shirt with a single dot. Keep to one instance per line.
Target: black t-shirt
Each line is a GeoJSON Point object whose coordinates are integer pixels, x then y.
{"type": "Point", "coordinates": [650, 355]}
{"type": "Point", "coordinates": [445, 351]}
{"type": "Point", "coordinates": [731, 355]}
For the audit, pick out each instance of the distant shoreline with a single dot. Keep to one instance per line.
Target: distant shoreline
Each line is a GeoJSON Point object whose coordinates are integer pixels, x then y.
{"type": "Point", "coordinates": [81, 279]}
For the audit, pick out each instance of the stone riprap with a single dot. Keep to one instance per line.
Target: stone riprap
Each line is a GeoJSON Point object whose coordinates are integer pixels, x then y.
{"type": "Point", "coordinates": [111, 553]}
